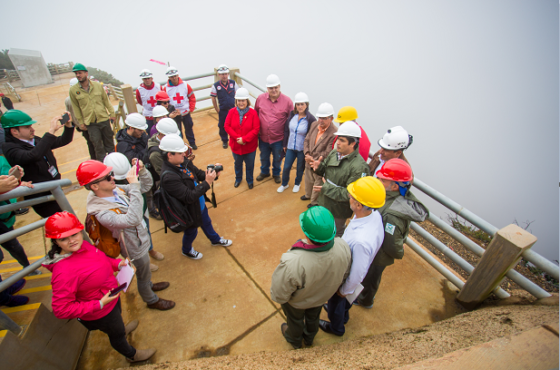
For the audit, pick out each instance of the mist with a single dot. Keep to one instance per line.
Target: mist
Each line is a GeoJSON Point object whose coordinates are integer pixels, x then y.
{"type": "Point", "coordinates": [475, 82]}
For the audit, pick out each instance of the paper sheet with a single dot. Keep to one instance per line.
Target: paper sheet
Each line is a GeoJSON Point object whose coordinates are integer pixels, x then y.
{"type": "Point", "coordinates": [352, 297]}
{"type": "Point", "coordinates": [125, 275]}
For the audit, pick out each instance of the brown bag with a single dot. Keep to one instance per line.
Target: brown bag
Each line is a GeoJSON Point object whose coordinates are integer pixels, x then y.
{"type": "Point", "coordinates": [102, 237]}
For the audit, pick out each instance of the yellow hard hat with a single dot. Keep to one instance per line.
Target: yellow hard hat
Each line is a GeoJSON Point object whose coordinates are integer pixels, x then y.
{"type": "Point", "coordinates": [346, 114]}
{"type": "Point", "coordinates": [368, 191]}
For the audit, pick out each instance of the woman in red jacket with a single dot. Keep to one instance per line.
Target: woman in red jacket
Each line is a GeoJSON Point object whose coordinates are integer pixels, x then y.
{"type": "Point", "coordinates": [243, 125]}
{"type": "Point", "coordinates": [82, 280]}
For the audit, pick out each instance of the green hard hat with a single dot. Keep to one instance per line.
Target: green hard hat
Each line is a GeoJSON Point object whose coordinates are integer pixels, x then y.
{"type": "Point", "coordinates": [15, 118]}
{"type": "Point", "coordinates": [79, 67]}
{"type": "Point", "coordinates": [318, 224]}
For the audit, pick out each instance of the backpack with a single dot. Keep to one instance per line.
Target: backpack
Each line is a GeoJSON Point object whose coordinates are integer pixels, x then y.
{"type": "Point", "coordinates": [174, 213]}
{"type": "Point", "coordinates": [148, 164]}
{"type": "Point", "coordinates": [102, 237]}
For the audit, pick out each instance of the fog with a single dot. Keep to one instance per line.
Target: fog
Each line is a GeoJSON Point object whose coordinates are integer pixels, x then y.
{"type": "Point", "coordinates": [475, 82]}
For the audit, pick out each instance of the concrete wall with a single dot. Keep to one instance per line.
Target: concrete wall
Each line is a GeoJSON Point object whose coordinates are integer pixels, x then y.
{"type": "Point", "coordinates": [31, 67]}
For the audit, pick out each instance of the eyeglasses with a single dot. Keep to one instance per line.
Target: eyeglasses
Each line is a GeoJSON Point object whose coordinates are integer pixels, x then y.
{"type": "Point", "coordinates": [109, 176]}
{"type": "Point", "coordinates": [164, 102]}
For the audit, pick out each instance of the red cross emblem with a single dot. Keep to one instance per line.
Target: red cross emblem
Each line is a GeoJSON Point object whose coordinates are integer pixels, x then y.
{"type": "Point", "coordinates": [178, 98]}
{"type": "Point", "coordinates": [152, 101]}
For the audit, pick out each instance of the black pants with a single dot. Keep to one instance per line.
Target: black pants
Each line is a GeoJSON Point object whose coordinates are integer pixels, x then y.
{"type": "Point", "coordinates": [187, 122]}
{"type": "Point", "coordinates": [91, 148]}
{"type": "Point", "coordinates": [302, 324]}
{"type": "Point", "coordinates": [222, 115]}
{"type": "Point", "coordinates": [101, 136]}
{"type": "Point", "coordinates": [371, 285]}
{"type": "Point", "coordinates": [13, 247]}
{"type": "Point", "coordinates": [113, 325]}
{"type": "Point", "coordinates": [45, 209]}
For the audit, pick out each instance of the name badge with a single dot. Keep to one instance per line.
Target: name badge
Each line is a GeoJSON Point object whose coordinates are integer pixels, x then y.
{"type": "Point", "coordinates": [53, 171]}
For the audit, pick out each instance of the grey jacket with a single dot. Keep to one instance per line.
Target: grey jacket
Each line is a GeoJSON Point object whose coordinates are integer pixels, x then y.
{"type": "Point", "coordinates": [130, 224]}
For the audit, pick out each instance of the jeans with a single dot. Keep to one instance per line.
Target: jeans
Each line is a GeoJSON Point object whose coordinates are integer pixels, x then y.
{"type": "Point", "coordinates": [101, 136]}
{"type": "Point", "coordinates": [190, 234]}
{"type": "Point", "coordinates": [291, 156]}
{"type": "Point", "coordinates": [221, 122]}
{"type": "Point", "coordinates": [338, 313]}
{"type": "Point", "coordinates": [112, 324]}
{"type": "Point", "coordinates": [302, 324]}
{"type": "Point", "coordinates": [144, 279]}
{"type": "Point", "coordinates": [249, 160]}
{"type": "Point", "coordinates": [276, 150]}
{"type": "Point", "coordinates": [150, 123]}
{"type": "Point", "coordinates": [371, 285]}
{"type": "Point", "coordinates": [188, 124]}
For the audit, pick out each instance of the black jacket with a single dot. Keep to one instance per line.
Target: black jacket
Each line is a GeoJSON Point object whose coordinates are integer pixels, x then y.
{"type": "Point", "coordinates": [35, 160]}
{"type": "Point", "coordinates": [181, 187]}
{"type": "Point", "coordinates": [7, 103]}
{"type": "Point", "coordinates": [131, 146]}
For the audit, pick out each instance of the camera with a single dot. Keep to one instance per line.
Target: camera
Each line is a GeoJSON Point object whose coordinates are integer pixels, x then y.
{"type": "Point", "coordinates": [217, 168]}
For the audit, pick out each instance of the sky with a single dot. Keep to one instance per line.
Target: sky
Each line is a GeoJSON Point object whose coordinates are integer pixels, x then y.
{"type": "Point", "coordinates": [475, 82]}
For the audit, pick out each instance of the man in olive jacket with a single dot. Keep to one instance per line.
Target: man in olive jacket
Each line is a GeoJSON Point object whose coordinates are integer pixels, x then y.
{"type": "Point", "coordinates": [342, 167]}
{"type": "Point", "coordinates": [309, 274]}
{"type": "Point", "coordinates": [401, 207]}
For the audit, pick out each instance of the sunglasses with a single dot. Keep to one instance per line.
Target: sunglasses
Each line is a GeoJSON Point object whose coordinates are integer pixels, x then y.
{"type": "Point", "coordinates": [109, 176]}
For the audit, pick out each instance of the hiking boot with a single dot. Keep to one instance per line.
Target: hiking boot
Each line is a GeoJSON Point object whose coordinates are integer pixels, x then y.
{"type": "Point", "coordinates": [194, 147]}
{"type": "Point", "coordinates": [262, 176]}
{"type": "Point", "coordinates": [16, 287]}
{"type": "Point", "coordinates": [160, 286]}
{"type": "Point", "coordinates": [193, 255]}
{"type": "Point", "coordinates": [223, 242]}
{"type": "Point", "coordinates": [142, 355]}
{"type": "Point", "coordinates": [225, 145]}
{"type": "Point", "coordinates": [156, 255]}
{"type": "Point", "coordinates": [131, 326]}
{"type": "Point", "coordinates": [17, 300]}
{"type": "Point", "coordinates": [162, 305]}
{"type": "Point", "coordinates": [153, 268]}
{"type": "Point", "coordinates": [282, 188]}
{"type": "Point", "coordinates": [277, 179]}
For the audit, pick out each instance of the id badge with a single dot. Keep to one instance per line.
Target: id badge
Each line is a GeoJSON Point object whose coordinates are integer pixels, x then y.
{"type": "Point", "coordinates": [144, 223]}
{"type": "Point", "coordinates": [53, 171]}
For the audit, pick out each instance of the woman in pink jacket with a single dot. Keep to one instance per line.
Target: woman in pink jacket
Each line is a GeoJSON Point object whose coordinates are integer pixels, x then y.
{"type": "Point", "coordinates": [243, 125]}
{"type": "Point", "coordinates": [82, 280]}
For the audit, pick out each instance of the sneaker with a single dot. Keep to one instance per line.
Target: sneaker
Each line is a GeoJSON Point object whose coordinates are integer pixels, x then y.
{"type": "Point", "coordinates": [16, 287]}
{"type": "Point", "coordinates": [262, 176]}
{"type": "Point", "coordinates": [142, 355]}
{"type": "Point", "coordinates": [225, 145]}
{"type": "Point", "coordinates": [35, 273]}
{"type": "Point", "coordinates": [194, 147]}
{"type": "Point", "coordinates": [223, 242]}
{"type": "Point", "coordinates": [282, 188]}
{"type": "Point", "coordinates": [17, 300]}
{"type": "Point", "coordinates": [357, 303]}
{"type": "Point", "coordinates": [21, 211]}
{"type": "Point", "coordinates": [296, 188]}
{"type": "Point", "coordinates": [193, 255]}
{"type": "Point", "coordinates": [304, 197]}
{"type": "Point", "coordinates": [156, 255]}
{"type": "Point", "coordinates": [155, 214]}
{"type": "Point", "coordinates": [153, 268]}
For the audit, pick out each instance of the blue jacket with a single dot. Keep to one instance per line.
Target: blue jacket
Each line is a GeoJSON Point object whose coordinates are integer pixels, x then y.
{"type": "Point", "coordinates": [226, 97]}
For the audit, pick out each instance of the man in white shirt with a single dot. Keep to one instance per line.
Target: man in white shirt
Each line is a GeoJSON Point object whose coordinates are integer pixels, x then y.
{"type": "Point", "coordinates": [364, 235]}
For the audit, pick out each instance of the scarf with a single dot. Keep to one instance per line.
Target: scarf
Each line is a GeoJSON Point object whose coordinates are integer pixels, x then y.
{"type": "Point", "coordinates": [242, 113]}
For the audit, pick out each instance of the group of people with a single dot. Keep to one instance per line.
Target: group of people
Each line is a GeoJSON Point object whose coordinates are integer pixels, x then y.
{"type": "Point", "coordinates": [151, 153]}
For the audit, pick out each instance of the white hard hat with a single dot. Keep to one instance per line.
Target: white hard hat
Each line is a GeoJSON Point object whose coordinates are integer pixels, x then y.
{"type": "Point", "coordinates": [325, 110]}
{"type": "Point", "coordinates": [167, 126]}
{"type": "Point", "coordinates": [241, 94]}
{"type": "Point", "coordinates": [120, 164]}
{"type": "Point", "coordinates": [73, 81]}
{"type": "Point", "coordinates": [159, 111]}
{"type": "Point", "coordinates": [171, 71]}
{"type": "Point", "coordinates": [136, 120]}
{"type": "Point", "coordinates": [272, 80]}
{"type": "Point", "coordinates": [223, 69]}
{"type": "Point", "coordinates": [396, 138]}
{"type": "Point", "coordinates": [91, 77]}
{"type": "Point", "coordinates": [349, 128]}
{"type": "Point", "coordinates": [173, 143]}
{"type": "Point", "coordinates": [301, 97]}
{"type": "Point", "coordinates": [146, 73]}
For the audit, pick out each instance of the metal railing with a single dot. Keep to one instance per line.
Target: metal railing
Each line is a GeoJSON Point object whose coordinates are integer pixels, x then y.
{"type": "Point", "coordinates": [11, 91]}
{"type": "Point", "coordinates": [55, 187]}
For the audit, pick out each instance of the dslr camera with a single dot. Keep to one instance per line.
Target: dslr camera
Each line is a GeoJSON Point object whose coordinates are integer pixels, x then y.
{"type": "Point", "coordinates": [217, 168]}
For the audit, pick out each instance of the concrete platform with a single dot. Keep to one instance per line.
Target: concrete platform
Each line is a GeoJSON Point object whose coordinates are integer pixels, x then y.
{"type": "Point", "coordinates": [223, 301]}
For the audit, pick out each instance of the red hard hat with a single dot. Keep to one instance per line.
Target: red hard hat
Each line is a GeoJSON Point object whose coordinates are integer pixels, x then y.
{"type": "Point", "coordinates": [162, 96]}
{"type": "Point", "coordinates": [90, 171]}
{"type": "Point", "coordinates": [61, 225]}
{"type": "Point", "coordinates": [395, 170]}
{"type": "Point", "coordinates": [1, 94]}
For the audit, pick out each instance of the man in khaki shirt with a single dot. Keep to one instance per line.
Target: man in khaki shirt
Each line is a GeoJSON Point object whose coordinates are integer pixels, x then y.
{"type": "Point", "coordinates": [93, 109]}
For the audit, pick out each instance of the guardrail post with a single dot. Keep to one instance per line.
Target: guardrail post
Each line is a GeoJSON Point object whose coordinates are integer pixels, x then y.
{"type": "Point", "coordinates": [8, 324]}
{"type": "Point", "coordinates": [232, 76]}
{"type": "Point", "coordinates": [129, 99]}
{"type": "Point", "coordinates": [502, 254]}
{"type": "Point", "coordinates": [216, 74]}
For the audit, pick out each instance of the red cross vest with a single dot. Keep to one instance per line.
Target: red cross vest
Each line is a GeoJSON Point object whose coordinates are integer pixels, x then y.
{"type": "Point", "coordinates": [148, 98]}
{"type": "Point", "coordinates": [179, 97]}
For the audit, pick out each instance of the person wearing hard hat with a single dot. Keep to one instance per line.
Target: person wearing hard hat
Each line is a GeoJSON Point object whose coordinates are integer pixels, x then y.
{"type": "Point", "coordinates": [146, 96]}
{"type": "Point", "coordinates": [119, 208]}
{"type": "Point", "coordinates": [395, 141]}
{"type": "Point", "coordinates": [159, 113]}
{"type": "Point", "coordinates": [181, 180]}
{"type": "Point", "coordinates": [7, 102]}
{"type": "Point", "coordinates": [309, 274]}
{"type": "Point", "coordinates": [33, 153]}
{"type": "Point", "coordinates": [273, 109]}
{"type": "Point", "coordinates": [81, 128]}
{"type": "Point", "coordinates": [94, 110]}
{"type": "Point", "coordinates": [164, 127]}
{"type": "Point", "coordinates": [121, 166]}
{"type": "Point", "coordinates": [346, 114]}
{"type": "Point", "coordinates": [401, 207]}
{"type": "Point", "coordinates": [132, 141]}
{"type": "Point", "coordinates": [339, 169]}
{"type": "Point", "coordinates": [243, 125]}
{"type": "Point", "coordinates": [318, 144]}
{"type": "Point", "coordinates": [163, 100]}
{"type": "Point", "coordinates": [364, 235]}
{"type": "Point", "coordinates": [223, 93]}
{"type": "Point", "coordinates": [295, 131]}
{"type": "Point", "coordinates": [183, 99]}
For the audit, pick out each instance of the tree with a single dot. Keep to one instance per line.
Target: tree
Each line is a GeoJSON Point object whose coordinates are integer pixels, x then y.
{"type": "Point", "coordinates": [5, 62]}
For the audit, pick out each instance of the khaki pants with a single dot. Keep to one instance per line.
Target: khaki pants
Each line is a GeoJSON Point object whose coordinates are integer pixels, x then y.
{"type": "Point", "coordinates": [311, 179]}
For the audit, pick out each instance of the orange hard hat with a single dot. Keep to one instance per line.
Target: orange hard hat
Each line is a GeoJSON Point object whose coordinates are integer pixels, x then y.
{"type": "Point", "coordinates": [395, 170]}
{"type": "Point", "coordinates": [61, 225]}
{"type": "Point", "coordinates": [91, 170]}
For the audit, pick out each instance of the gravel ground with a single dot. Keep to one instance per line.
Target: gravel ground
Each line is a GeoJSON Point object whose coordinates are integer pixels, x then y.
{"type": "Point", "coordinates": [391, 350]}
